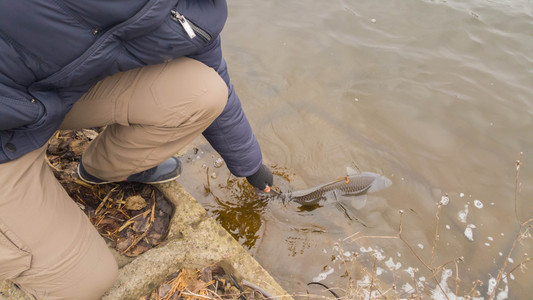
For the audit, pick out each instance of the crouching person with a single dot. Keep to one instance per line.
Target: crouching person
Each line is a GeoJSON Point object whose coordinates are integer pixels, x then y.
{"type": "Point", "coordinates": [152, 72]}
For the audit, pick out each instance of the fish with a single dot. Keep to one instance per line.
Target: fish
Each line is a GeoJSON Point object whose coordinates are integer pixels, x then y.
{"type": "Point", "coordinates": [352, 185]}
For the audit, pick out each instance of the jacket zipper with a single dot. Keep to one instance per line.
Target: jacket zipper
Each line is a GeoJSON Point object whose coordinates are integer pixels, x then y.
{"type": "Point", "coordinates": [190, 28]}
{"type": "Point", "coordinates": [94, 30]}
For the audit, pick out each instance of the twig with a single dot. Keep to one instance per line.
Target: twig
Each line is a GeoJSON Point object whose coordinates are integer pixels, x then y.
{"type": "Point", "coordinates": [473, 290]}
{"type": "Point", "coordinates": [518, 234]}
{"type": "Point", "coordinates": [517, 174]}
{"type": "Point", "coordinates": [436, 234]}
{"type": "Point", "coordinates": [372, 278]}
{"type": "Point", "coordinates": [416, 284]}
{"type": "Point", "coordinates": [457, 280]}
{"type": "Point", "coordinates": [350, 285]}
{"type": "Point", "coordinates": [517, 266]}
{"type": "Point", "coordinates": [258, 289]}
{"type": "Point", "coordinates": [399, 236]}
{"type": "Point", "coordinates": [176, 284]}
{"type": "Point", "coordinates": [51, 165]}
{"type": "Point", "coordinates": [418, 257]}
{"type": "Point", "coordinates": [104, 200]}
{"type": "Point", "coordinates": [82, 183]}
{"type": "Point", "coordinates": [137, 239]}
{"type": "Point", "coordinates": [374, 237]}
{"type": "Point", "coordinates": [189, 293]}
{"type": "Point", "coordinates": [351, 236]}
{"type": "Point", "coordinates": [132, 220]}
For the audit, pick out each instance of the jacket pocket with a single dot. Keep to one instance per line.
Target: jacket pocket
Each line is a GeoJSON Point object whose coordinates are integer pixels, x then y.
{"type": "Point", "coordinates": [165, 43]}
{"type": "Point", "coordinates": [15, 257]}
{"type": "Point", "coordinates": [206, 18]}
{"type": "Point", "coordinates": [187, 28]}
{"type": "Point", "coordinates": [16, 113]}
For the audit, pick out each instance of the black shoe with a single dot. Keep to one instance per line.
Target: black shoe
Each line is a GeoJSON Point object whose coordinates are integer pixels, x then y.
{"type": "Point", "coordinates": [167, 171]}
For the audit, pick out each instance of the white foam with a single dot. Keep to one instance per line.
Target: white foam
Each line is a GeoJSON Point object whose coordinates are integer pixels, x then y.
{"type": "Point", "coordinates": [463, 214]}
{"type": "Point", "coordinates": [365, 250]}
{"type": "Point", "coordinates": [378, 255]}
{"type": "Point", "coordinates": [468, 231]}
{"type": "Point", "coordinates": [437, 293]}
{"type": "Point", "coordinates": [365, 282]}
{"type": "Point", "coordinates": [491, 285]}
{"type": "Point", "coordinates": [407, 288]}
{"type": "Point", "coordinates": [478, 204]}
{"type": "Point", "coordinates": [444, 200]}
{"type": "Point", "coordinates": [324, 275]}
{"type": "Point", "coordinates": [391, 265]}
{"type": "Point", "coordinates": [505, 293]}
{"type": "Point", "coordinates": [411, 271]}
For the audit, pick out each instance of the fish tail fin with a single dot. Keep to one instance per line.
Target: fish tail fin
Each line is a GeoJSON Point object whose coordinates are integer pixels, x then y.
{"type": "Point", "coordinates": [380, 183]}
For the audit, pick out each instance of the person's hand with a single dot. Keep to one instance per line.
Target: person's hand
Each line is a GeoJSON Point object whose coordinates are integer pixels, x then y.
{"type": "Point", "coordinates": [262, 179]}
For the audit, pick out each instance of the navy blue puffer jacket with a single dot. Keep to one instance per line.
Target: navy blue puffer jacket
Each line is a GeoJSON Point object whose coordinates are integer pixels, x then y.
{"type": "Point", "coordinates": [52, 52]}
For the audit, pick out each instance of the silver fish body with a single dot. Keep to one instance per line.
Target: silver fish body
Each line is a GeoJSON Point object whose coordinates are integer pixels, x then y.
{"type": "Point", "coordinates": [351, 185]}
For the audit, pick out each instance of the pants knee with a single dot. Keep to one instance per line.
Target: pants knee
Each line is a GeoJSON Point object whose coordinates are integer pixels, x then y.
{"type": "Point", "coordinates": [214, 97]}
{"type": "Point", "coordinates": [185, 91]}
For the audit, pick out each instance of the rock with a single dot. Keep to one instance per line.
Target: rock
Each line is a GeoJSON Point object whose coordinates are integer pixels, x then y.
{"type": "Point", "coordinates": [218, 162]}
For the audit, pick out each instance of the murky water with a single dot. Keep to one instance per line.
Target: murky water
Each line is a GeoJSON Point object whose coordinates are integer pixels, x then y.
{"type": "Point", "coordinates": [435, 95]}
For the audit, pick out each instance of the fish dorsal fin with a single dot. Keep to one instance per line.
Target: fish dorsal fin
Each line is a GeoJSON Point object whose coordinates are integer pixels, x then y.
{"type": "Point", "coordinates": [351, 171]}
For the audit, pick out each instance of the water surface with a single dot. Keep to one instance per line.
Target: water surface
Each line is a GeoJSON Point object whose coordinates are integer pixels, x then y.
{"type": "Point", "coordinates": [435, 95]}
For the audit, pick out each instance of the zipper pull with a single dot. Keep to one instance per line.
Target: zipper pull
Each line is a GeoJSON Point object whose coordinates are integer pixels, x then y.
{"type": "Point", "coordinates": [184, 23]}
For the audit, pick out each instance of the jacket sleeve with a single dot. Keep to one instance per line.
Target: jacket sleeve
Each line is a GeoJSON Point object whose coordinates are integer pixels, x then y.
{"type": "Point", "coordinates": [230, 134]}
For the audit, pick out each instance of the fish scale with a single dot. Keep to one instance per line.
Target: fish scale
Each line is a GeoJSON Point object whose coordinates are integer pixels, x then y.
{"type": "Point", "coordinates": [351, 185]}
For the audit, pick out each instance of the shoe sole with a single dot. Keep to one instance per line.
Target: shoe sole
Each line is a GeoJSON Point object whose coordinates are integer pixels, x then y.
{"type": "Point", "coordinates": [161, 181]}
{"type": "Point", "coordinates": [106, 182]}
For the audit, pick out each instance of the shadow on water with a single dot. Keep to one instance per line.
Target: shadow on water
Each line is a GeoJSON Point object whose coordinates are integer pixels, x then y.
{"type": "Point", "coordinates": [231, 201]}
{"type": "Point", "coordinates": [238, 209]}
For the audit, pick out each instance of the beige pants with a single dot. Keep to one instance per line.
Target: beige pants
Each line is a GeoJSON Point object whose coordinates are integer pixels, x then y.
{"type": "Point", "coordinates": [47, 245]}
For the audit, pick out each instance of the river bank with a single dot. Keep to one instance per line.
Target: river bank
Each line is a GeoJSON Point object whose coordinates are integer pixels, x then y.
{"type": "Point", "coordinates": [194, 241]}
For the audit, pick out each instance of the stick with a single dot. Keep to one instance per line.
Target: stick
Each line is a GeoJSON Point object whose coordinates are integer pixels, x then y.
{"type": "Point", "coordinates": [436, 234]}
{"type": "Point", "coordinates": [257, 289]}
{"type": "Point", "coordinates": [372, 279]}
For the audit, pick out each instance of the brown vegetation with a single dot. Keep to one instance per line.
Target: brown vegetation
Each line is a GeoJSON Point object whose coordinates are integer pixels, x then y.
{"type": "Point", "coordinates": [132, 217]}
